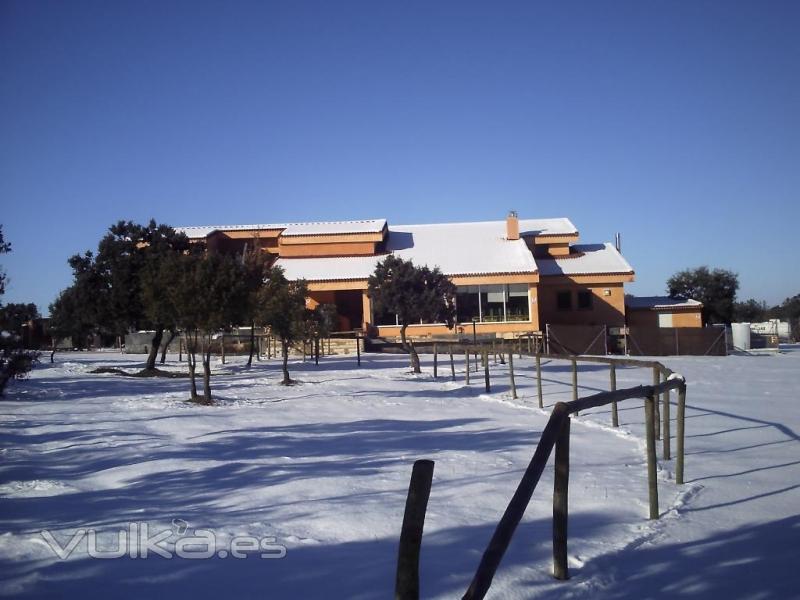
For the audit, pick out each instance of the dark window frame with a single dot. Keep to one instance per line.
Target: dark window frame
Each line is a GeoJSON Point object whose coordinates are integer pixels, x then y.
{"type": "Point", "coordinates": [564, 306]}
{"type": "Point", "coordinates": [585, 295]}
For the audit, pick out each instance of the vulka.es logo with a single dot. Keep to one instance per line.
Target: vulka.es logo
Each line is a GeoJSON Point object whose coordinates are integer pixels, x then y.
{"type": "Point", "coordinates": [137, 542]}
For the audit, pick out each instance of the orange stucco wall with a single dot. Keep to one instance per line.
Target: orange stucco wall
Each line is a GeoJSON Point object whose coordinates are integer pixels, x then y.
{"type": "Point", "coordinates": [423, 331]}
{"type": "Point", "coordinates": [649, 317]}
{"type": "Point", "coordinates": [328, 249]}
{"type": "Point", "coordinates": [606, 309]}
{"type": "Point", "coordinates": [689, 318]}
{"type": "Point", "coordinates": [544, 251]}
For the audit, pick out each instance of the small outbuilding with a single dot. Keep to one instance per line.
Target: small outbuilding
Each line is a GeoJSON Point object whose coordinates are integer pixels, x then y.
{"type": "Point", "coordinates": [663, 311]}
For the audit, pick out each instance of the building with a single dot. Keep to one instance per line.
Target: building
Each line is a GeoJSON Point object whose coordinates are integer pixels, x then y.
{"type": "Point", "coordinates": [663, 311]}
{"type": "Point", "coordinates": [513, 275]}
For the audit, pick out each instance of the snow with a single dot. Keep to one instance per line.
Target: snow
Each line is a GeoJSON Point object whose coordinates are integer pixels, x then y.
{"type": "Point", "coordinates": [323, 467]}
{"type": "Point", "coordinates": [292, 229]}
{"type": "Point", "coordinates": [456, 248]}
{"type": "Point", "coordinates": [201, 231]}
{"type": "Point", "coordinates": [592, 259]}
{"type": "Point", "coordinates": [335, 227]}
{"type": "Point", "coordinates": [655, 302]}
{"type": "Point", "coordinates": [339, 268]}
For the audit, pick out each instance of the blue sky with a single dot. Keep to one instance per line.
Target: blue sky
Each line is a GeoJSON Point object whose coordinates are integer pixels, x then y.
{"type": "Point", "coordinates": [675, 123]}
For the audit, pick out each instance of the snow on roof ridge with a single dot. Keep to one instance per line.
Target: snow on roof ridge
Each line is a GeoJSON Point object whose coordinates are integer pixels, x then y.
{"type": "Point", "coordinates": [336, 222]}
{"type": "Point", "coordinates": [488, 222]}
{"type": "Point", "coordinates": [660, 301]}
{"type": "Point", "coordinates": [595, 259]}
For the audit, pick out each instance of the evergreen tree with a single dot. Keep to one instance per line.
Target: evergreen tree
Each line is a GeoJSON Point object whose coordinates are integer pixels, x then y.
{"type": "Point", "coordinates": [15, 315]}
{"type": "Point", "coordinates": [788, 310]}
{"type": "Point", "coordinates": [69, 317]}
{"type": "Point", "coordinates": [716, 289]}
{"type": "Point", "coordinates": [15, 360]}
{"type": "Point", "coordinates": [281, 307]}
{"type": "Point", "coordinates": [414, 294]}
{"type": "Point", "coordinates": [207, 294]}
{"type": "Point", "coordinates": [255, 264]}
{"type": "Point", "coordinates": [107, 286]}
{"type": "Point", "coordinates": [750, 311]}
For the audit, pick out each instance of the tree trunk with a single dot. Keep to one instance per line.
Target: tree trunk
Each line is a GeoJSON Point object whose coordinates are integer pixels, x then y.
{"type": "Point", "coordinates": [151, 357]}
{"type": "Point", "coordinates": [409, 347]}
{"type": "Point", "coordinates": [207, 373]}
{"type": "Point", "coordinates": [191, 358]}
{"type": "Point", "coordinates": [285, 352]}
{"type": "Point", "coordinates": [252, 344]}
{"type": "Point", "coordinates": [172, 334]}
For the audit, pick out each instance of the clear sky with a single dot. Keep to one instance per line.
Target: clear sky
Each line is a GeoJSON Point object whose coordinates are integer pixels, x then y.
{"type": "Point", "coordinates": [675, 123]}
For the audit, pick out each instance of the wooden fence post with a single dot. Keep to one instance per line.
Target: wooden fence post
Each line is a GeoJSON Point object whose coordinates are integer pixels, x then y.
{"type": "Point", "coordinates": [656, 381]}
{"type": "Point", "coordinates": [511, 374]}
{"type": "Point", "coordinates": [651, 425]}
{"type": "Point", "coordinates": [452, 363]}
{"type": "Point", "coordinates": [502, 351]}
{"type": "Point", "coordinates": [665, 435]}
{"type": "Point", "coordinates": [574, 378]}
{"type": "Point", "coordinates": [494, 350]}
{"type": "Point", "coordinates": [419, 490]}
{"type": "Point", "coordinates": [486, 371]}
{"type": "Point", "coordinates": [681, 429]}
{"type": "Point", "coordinates": [222, 347]}
{"type": "Point", "coordinates": [560, 503]}
{"type": "Point", "coordinates": [520, 346]}
{"type": "Point", "coordinates": [316, 349]}
{"type": "Point", "coordinates": [358, 350]}
{"type": "Point", "coordinates": [435, 361]}
{"type": "Point", "coordinates": [614, 413]}
{"type": "Point", "coordinates": [180, 349]}
{"type": "Point", "coordinates": [539, 378]}
{"type": "Point", "coordinates": [466, 358]}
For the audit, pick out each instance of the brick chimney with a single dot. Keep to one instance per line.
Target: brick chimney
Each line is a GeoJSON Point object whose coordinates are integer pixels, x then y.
{"type": "Point", "coordinates": [512, 226]}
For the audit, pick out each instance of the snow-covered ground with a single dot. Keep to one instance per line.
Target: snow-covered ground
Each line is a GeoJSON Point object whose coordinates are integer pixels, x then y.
{"type": "Point", "coordinates": [322, 469]}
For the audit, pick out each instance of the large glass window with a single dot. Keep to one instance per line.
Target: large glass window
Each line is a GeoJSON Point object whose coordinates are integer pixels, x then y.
{"type": "Point", "coordinates": [493, 303]}
{"type": "Point", "coordinates": [517, 304]}
{"type": "Point", "coordinates": [467, 303]}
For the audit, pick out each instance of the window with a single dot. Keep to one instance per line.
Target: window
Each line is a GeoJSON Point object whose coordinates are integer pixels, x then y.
{"type": "Point", "coordinates": [386, 318]}
{"type": "Point", "coordinates": [492, 303]}
{"type": "Point", "coordinates": [468, 303]}
{"type": "Point", "coordinates": [585, 300]}
{"type": "Point", "coordinates": [518, 305]}
{"type": "Point", "coordinates": [564, 300]}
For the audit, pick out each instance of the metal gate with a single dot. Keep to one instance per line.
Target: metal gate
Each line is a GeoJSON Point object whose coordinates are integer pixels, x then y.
{"type": "Point", "coordinates": [577, 339]}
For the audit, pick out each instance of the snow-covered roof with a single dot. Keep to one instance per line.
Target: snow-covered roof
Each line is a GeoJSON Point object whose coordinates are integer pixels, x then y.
{"type": "Point", "coordinates": [456, 248]}
{"type": "Point", "coordinates": [586, 259]}
{"type": "Point", "coordinates": [335, 268]}
{"type": "Point", "coordinates": [201, 231]}
{"type": "Point", "coordinates": [656, 302]}
{"type": "Point", "coordinates": [290, 229]}
{"type": "Point", "coordinates": [536, 227]}
{"type": "Point", "coordinates": [335, 227]}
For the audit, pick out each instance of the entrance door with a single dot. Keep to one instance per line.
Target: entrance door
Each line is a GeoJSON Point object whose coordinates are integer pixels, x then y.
{"type": "Point", "coordinates": [350, 308]}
